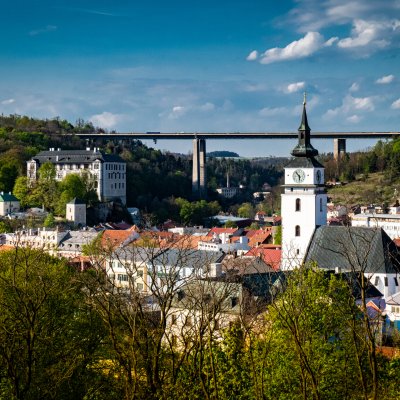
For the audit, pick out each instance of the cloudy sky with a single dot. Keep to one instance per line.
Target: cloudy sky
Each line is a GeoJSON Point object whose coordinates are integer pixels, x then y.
{"type": "Point", "coordinates": [179, 65]}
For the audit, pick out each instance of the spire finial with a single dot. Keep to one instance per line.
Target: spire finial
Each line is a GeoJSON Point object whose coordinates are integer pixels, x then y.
{"type": "Point", "coordinates": [305, 99]}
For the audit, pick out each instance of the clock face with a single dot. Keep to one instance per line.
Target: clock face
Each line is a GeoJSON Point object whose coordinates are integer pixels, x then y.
{"type": "Point", "coordinates": [299, 175]}
{"type": "Point", "coordinates": [319, 176]}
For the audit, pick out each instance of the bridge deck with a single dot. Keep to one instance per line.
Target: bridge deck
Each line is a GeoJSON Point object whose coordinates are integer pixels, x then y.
{"type": "Point", "coordinates": [236, 135]}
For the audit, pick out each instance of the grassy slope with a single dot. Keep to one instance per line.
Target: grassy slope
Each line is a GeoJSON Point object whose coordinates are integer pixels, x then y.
{"type": "Point", "coordinates": [374, 189]}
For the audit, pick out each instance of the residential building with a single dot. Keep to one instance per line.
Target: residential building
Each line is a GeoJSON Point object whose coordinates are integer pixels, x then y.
{"type": "Point", "coordinates": [390, 223]}
{"type": "Point", "coordinates": [8, 204]}
{"type": "Point", "coordinates": [107, 171]}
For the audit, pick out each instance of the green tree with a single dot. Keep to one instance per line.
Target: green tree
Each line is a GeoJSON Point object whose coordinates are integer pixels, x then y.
{"type": "Point", "coordinates": [246, 210]}
{"type": "Point", "coordinates": [49, 221]}
{"type": "Point", "coordinates": [21, 190]}
{"type": "Point", "coordinates": [49, 339]}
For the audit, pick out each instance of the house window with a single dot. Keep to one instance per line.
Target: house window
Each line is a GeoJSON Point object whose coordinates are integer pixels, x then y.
{"type": "Point", "coordinates": [188, 321]}
{"type": "Point", "coordinates": [298, 251]}
{"type": "Point", "coordinates": [298, 204]}
{"type": "Point", "coordinates": [376, 280]}
{"type": "Point", "coordinates": [234, 301]}
{"type": "Point", "coordinates": [123, 278]}
{"type": "Point", "coordinates": [139, 286]}
{"type": "Point", "coordinates": [320, 205]}
{"type": "Point", "coordinates": [297, 230]}
{"type": "Point", "coordinates": [140, 273]}
{"type": "Point", "coordinates": [386, 281]}
{"type": "Point", "coordinates": [396, 282]}
{"type": "Point", "coordinates": [173, 319]}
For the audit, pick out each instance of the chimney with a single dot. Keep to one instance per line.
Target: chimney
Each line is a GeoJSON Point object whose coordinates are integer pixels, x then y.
{"type": "Point", "coordinates": [59, 149]}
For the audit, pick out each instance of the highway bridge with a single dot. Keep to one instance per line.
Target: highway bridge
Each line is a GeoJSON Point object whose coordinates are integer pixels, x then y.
{"type": "Point", "coordinates": [234, 135]}
{"type": "Point", "coordinates": [199, 179]}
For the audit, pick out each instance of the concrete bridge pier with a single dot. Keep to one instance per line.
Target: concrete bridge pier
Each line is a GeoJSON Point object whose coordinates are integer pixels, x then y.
{"type": "Point", "coordinates": [199, 171]}
{"type": "Point", "coordinates": [339, 148]}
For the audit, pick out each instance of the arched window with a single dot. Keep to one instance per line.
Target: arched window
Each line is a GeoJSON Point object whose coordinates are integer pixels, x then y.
{"type": "Point", "coordinates": [298, 204]}
{"type": "Point", "coordinates": [297, 230]}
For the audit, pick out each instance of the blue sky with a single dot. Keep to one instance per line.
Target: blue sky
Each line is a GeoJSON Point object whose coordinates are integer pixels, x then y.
{"type": "Point", "coordinates": [205, 66]}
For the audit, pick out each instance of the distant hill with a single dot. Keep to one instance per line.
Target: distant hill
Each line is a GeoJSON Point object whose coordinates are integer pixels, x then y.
{"type": "Point", "coordinates": [222, 153]}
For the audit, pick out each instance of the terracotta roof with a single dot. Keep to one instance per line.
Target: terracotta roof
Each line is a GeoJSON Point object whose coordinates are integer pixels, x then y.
{"type": "Point", "coordinates": [271, 257]}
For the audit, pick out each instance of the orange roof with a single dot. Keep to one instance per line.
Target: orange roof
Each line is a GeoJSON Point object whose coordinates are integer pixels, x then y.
{"type": "Point", "coordinates": [271, 257]}
{"type": "Point", "coordinates": [6, 247]}
{"type": "Point", "coordinates": [114, 238]}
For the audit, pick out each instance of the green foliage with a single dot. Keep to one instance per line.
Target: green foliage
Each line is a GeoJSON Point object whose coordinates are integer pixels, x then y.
{"type": "Point", "coordinates": [48, 337]}
{"type": "Point", "coordinates": [278, 235]}
{"type": "Point", "coordinates": [49, 221]}
{"type": "Point", "coordinates": [246, 210]}
{"type": "Point", "coordinates": [21, 190]}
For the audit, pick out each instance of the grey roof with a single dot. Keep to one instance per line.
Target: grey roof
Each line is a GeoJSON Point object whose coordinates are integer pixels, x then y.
{"type": "Point", "coordinates": [178, 258]}
{"type": "Point", "coordinates": [75, 157]}
{"type": "Point", "coordinates": [304, 162]}
{"type": "Point", "coordinates": [76, 201]}
{"type": "Point", "coordinates": [353, 249]}
{"type": "Point", "coordinates": [394, 300]}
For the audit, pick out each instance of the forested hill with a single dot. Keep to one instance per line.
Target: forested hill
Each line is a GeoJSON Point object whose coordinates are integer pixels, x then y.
{"type": "Point", "coordinates": [153, 176]}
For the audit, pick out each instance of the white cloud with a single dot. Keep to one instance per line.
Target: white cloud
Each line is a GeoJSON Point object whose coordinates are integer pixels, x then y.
{"type": "Point", "coordinates": [352, 104]}
{"type": "Point", "coordinates": [353, 118]}
{"type": "Point", "coordinates": [304, 47]}
{"type": "Point", "coordinates": [295, 87]}
{"type": "Point", "coordinates": [369, 35]}
{"type": "Point", "coordinates": [252, 56]}
{"type": "Point", "coordinates": [331, 41]}
{"type": "Point", "coordinates": [311, 15]}
{"type": "Point", "coordinates": [354, 87]}
{"type": "Point", "coordinates": [105, 120]}
{"type": "Point", "coordinates": [385, 79]}
{"type": "Point", "coordinates": [46, 29]}
{"type": "Point", "coordinates": [396, 105]}
{"type": "Point", "coordinates": [8, 101]}
{"type": "Point", "coordinates": [207, 107]}
{"type": "Point", "coordinates": [271, 112]}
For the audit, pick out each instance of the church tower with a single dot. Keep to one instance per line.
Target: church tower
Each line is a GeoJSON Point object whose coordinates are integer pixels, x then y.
{"type": "Point", "coordinates": [304, 199]}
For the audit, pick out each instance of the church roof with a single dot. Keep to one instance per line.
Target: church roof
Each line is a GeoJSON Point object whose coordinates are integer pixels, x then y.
{"type": "Point", "coordinates": [363, 249]}
{"type": "Point", "coordinates": [304, 147]}
{"type": "Point", "coordinates": [304, 162]}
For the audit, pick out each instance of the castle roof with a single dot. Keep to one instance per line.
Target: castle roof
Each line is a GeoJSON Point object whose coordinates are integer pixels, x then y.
{"type": "Point", "coordinates": [75, 157]}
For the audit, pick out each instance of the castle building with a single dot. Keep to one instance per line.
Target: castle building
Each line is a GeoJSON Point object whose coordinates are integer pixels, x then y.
{"type": "Point", "coordinates": [108, 171]}
{"type": "Point", "coordinates": [304, 201]}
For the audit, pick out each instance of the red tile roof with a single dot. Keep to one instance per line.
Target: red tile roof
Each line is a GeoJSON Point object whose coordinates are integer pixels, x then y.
{"type": "Point", "coordinates": [271, 257]}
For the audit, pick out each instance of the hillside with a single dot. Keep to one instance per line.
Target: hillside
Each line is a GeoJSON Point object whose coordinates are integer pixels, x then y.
{"type": "Point", "coordinates": [371, 188]}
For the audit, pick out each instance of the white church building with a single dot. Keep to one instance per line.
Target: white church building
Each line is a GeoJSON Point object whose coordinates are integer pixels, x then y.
{"type": "Point", "coordinates": [304, 199]}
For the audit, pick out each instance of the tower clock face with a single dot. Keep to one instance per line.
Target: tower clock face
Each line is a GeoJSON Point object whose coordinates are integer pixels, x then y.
{"type": "Point", "coordinates": [299, 175]}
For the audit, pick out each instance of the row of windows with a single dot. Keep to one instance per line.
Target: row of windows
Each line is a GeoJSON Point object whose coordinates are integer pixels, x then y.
{"type": "Point", "coordinates": [117, 186]}
{"type": "Point", "coordinates": [377, 281]}
{"type": "Point", "coordinates": [115, 167]}
{"type": "Point", "coordinates": [115, 175]}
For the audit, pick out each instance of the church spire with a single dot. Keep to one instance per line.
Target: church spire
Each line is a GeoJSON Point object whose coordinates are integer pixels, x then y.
{"type": "Point", "coordinates": [304, 147]}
